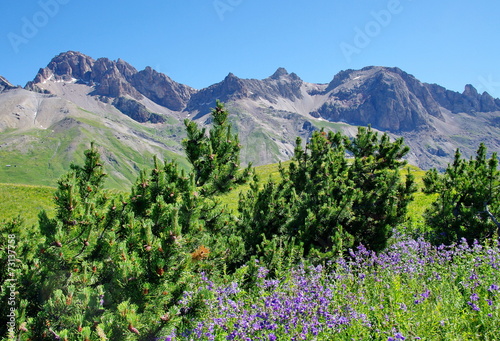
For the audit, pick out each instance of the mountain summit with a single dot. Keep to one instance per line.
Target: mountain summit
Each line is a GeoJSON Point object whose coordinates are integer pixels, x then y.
{"type": "Point", "coordinates": [384, 97]}
{"type": "Point", "coordinates": [113, 79]}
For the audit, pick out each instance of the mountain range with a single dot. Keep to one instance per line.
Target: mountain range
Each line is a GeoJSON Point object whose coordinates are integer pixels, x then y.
{"type": "Point", "coordinates": [134, 115]}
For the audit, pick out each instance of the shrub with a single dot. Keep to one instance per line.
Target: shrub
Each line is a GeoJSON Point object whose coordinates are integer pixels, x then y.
{"type": "Point", "coordinates": [327, 202]}
{"type": "Point", "coordinates": [468, 201]}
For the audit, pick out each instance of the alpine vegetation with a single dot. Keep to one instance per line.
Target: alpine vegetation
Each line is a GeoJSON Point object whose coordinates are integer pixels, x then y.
{"type": "Point", "coordinates": [318, 254]}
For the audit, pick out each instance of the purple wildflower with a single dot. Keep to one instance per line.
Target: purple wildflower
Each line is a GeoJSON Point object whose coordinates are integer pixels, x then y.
{"type": "Point", "coordinates": [493, 287]}
{"type": "Point", "coordinates": [473, 306]}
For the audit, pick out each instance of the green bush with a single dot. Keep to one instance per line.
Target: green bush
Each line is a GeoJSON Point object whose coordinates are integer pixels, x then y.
{"type": "Point", "coordinates": [327, 201]}
{"type": "Point", "coordinates": [469, 198]}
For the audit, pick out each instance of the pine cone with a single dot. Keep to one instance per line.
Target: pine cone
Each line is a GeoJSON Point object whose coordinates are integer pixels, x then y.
{"type": "Point", "coordinates": [133, 329]}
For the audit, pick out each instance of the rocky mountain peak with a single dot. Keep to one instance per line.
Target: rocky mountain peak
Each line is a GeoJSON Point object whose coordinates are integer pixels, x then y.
{"type": "Point", "coordinates": [389, 98]}
{"type": "Point", "coordinates": [5, 85]}
{"type": "Point", "coordinates": [231, 78]}
{"type": "Point", "coordinates": [470, 91]}
{"type": "Point", "coordinates": [67, 66]}
{"type": "Point", "coordinates": [469, 101]}
{"type": "Point", "coordinates": [125, 68]}
{"type": "Point", "coordinates": [113, 79]}
{"type": "Point", "coordinates": [232, 84]}
{"type": "Point", "coordinates": [280, 72]}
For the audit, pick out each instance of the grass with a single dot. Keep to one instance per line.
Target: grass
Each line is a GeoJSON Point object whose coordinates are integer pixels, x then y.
{"type": "Point", "coordinates": [25, 201]}
{"type": "Point", "coordinates": [420, 203]}
{"type": "Point", "coordinates": [320, 124]}
{"type": "Point", "coordinates": [56, 150]}
{"type": "Point", "coordinates": [264, 173]}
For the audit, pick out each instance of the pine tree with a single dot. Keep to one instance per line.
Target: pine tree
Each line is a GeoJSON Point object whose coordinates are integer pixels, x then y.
{"type": "Point", "coordinates": [469, 198]}
{"type": "Point", "coordinates": [120, 264]}
{"type": "Point", "coordinates": [326, 202]}
{"type": "Point", "coordinates": [71, 252]}
{"type": "Point", "coordinates": [376, 173]}
{"type": "Point", "coordinates": [112, 266]}
{"type": "Point", "coordinates": [215, 158]}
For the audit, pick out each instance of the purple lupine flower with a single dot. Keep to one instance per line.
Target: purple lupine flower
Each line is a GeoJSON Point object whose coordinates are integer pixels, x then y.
{"type": "Point", "coordinates": [473, 306]}
{"type": "Point", "coordinates": [493, 287]}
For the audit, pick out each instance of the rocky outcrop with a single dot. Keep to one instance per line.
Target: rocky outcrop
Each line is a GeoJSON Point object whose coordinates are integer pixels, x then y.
{"type": "Point", "coordinates": [5, 85]}
{"type": "Point", "coordinates": [468, 102]}
{"type": "Point", "coordinates": [161, 89]}
{"type": "Point", "coordinates": [113, 79]}
{"type": "Point", "coordinates": [231, 88]}
{"type": "Point", "coordinates": [281, 85]}
{"type": "Point", "coordinates": [136, 111]}
{"type": "Point", "coordinates": [67, 66]}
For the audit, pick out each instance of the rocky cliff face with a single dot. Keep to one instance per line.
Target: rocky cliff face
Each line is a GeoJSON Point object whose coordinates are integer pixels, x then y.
{"type": "Point", "coordinates": [136, 111]}
{"type": "Point", "coordinates": [273, 91]}
{"type": "Point", "coordinates": [469, 101]}
{"type": "Point", "coordinates": [161, 89]}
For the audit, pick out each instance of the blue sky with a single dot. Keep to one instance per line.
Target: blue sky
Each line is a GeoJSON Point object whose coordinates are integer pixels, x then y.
{"type": "Point", "coordinates": [198, 42]}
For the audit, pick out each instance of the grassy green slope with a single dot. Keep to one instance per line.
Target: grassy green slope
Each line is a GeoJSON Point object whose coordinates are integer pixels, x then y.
{"type": "Point", "coordinates": [421, 202]}
{"type": "Point", "coordinates": [40, 157]}
{"type": "Point", "coordinates": [25, 201]}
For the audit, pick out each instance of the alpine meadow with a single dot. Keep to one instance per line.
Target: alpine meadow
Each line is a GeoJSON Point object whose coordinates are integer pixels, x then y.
{"type": "Point", "coordinates": [345, 241]}
{"type": "Point", "coordinates": [249, 170]}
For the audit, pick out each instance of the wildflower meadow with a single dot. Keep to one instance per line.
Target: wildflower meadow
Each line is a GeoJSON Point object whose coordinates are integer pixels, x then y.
{"type": "Point", "coordinates": [411, 291]}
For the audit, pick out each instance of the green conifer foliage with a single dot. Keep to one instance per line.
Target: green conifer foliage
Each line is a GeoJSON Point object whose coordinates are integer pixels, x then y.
{"type": "Point", "coordinates": [118, 266]}
{"type": "Point", "coordinates": [114, 266]}
{"type": "Point", "coordinates": [328, 202]}
{"type": "Point", "coordinates": [215, 158]}
{"type": "Point", "coordinates": [468, 204]}
{"type": "Point", "coordinates": [376, 173]}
